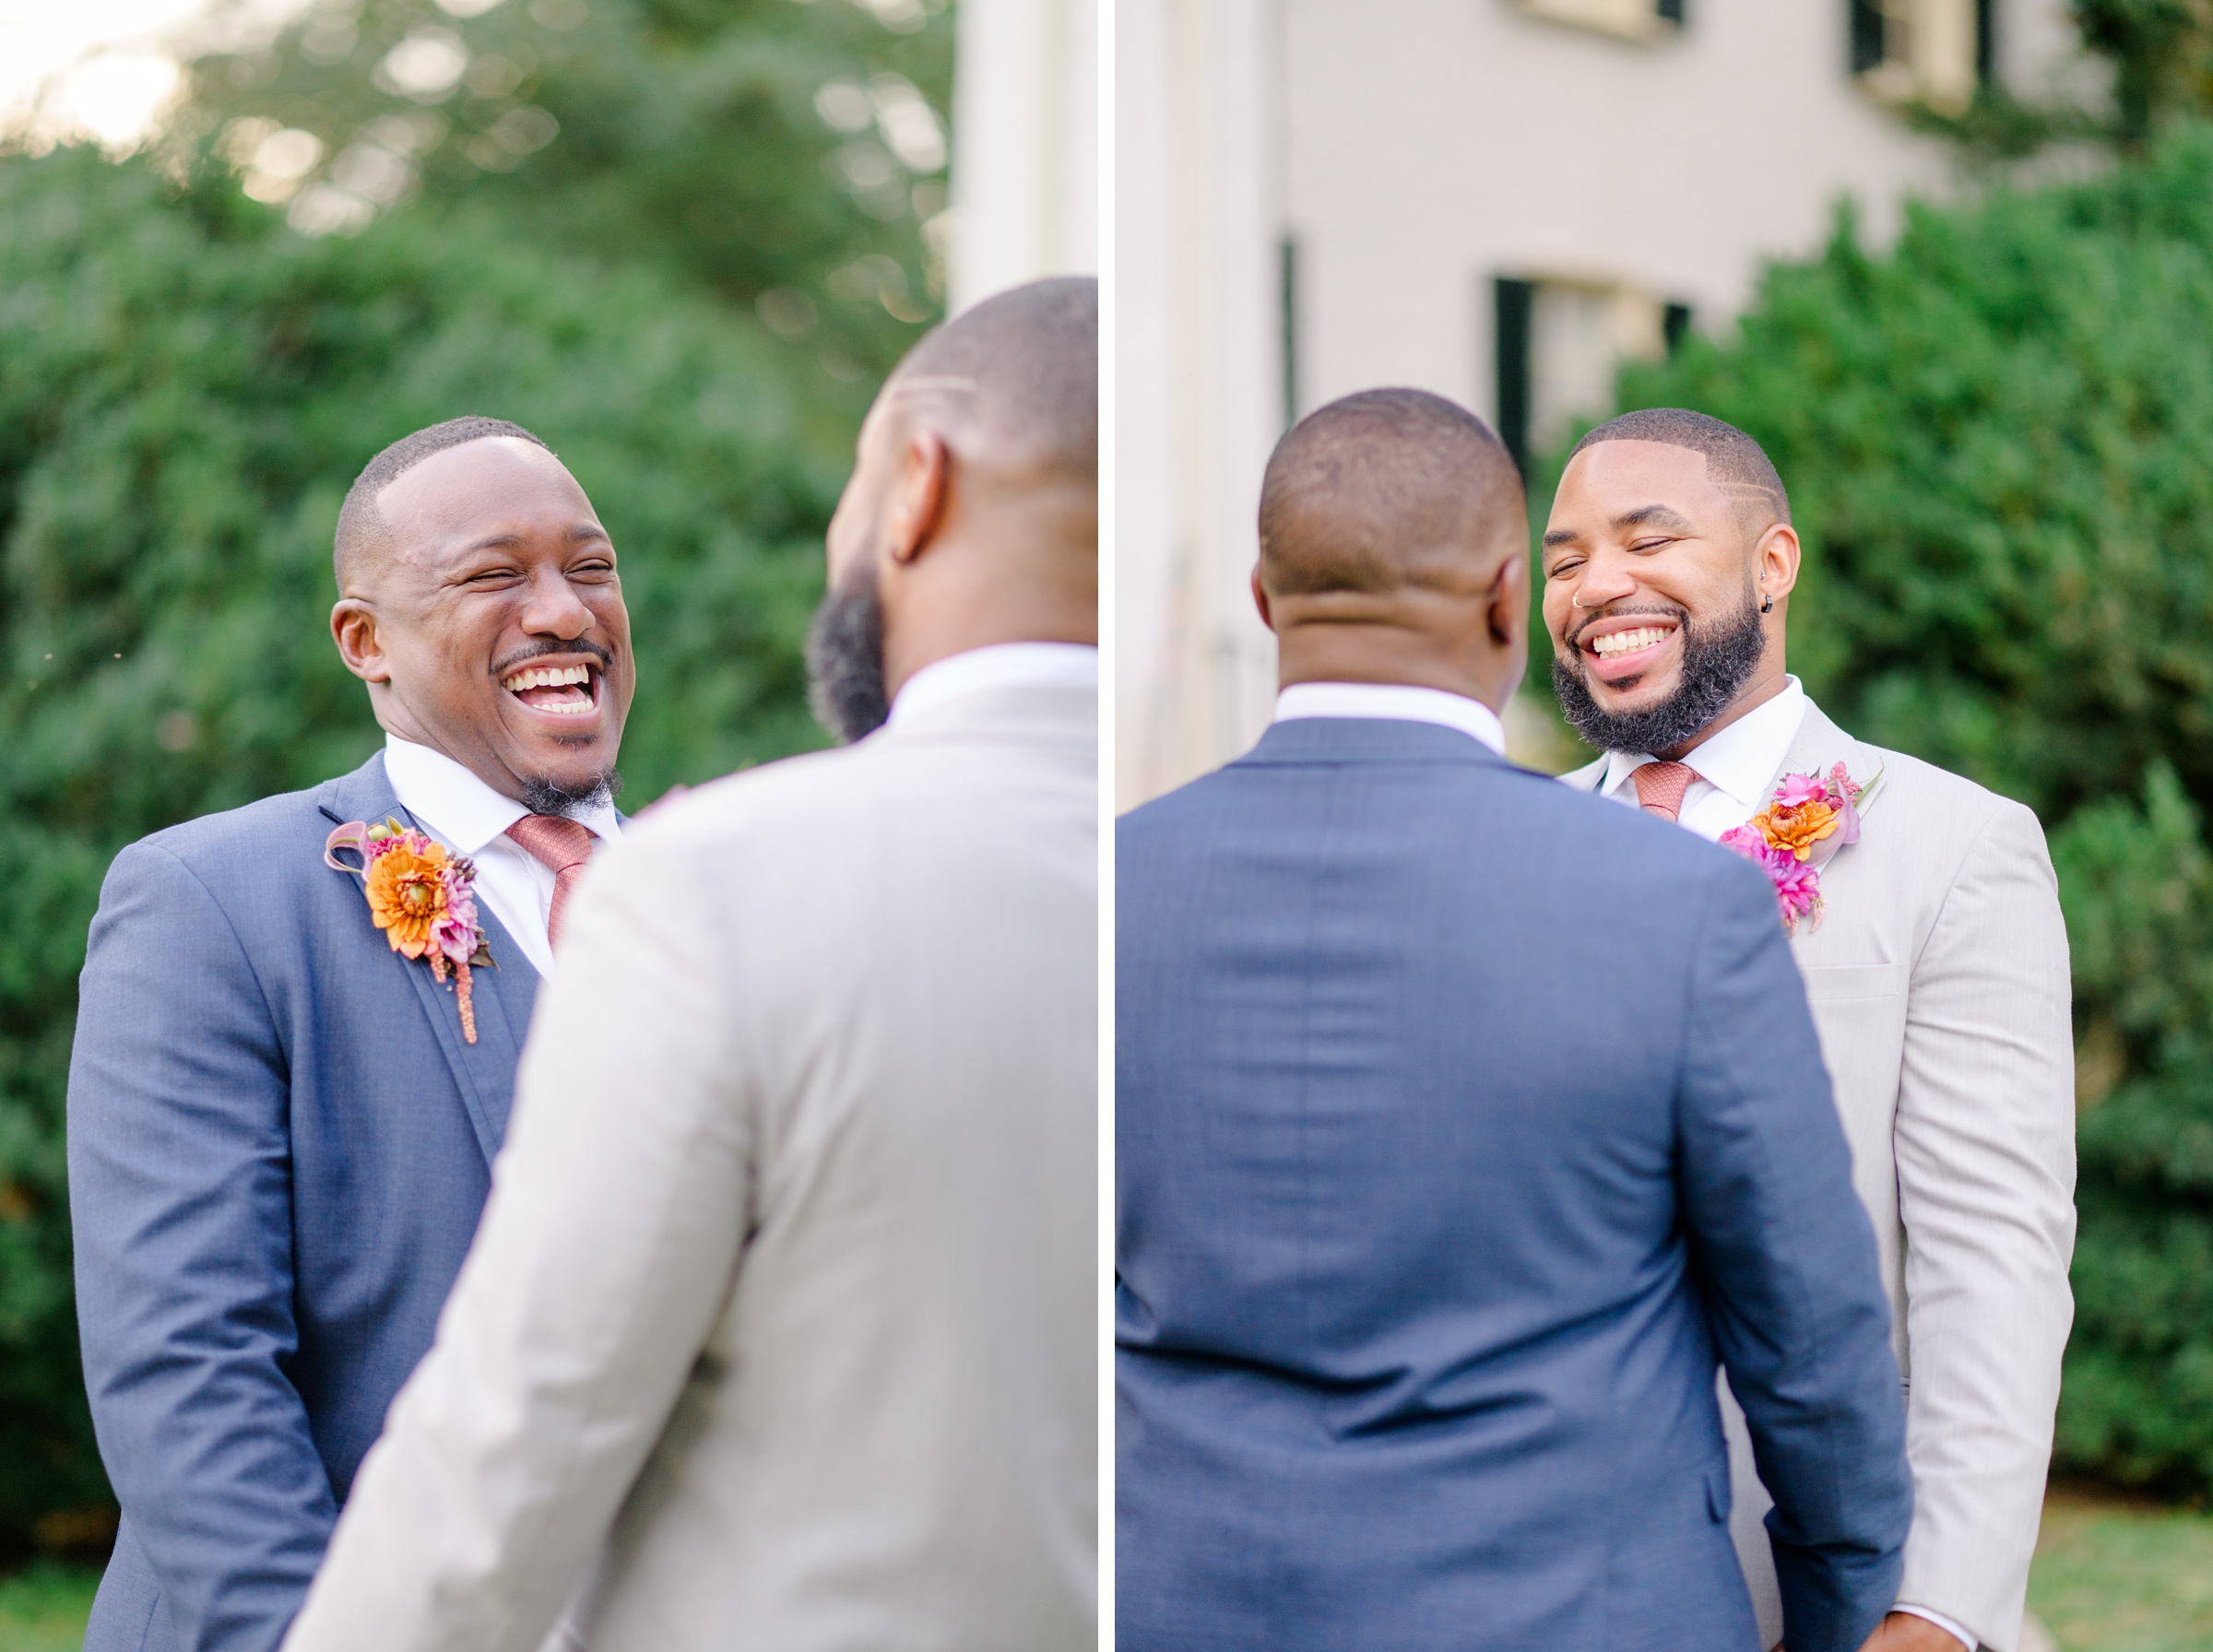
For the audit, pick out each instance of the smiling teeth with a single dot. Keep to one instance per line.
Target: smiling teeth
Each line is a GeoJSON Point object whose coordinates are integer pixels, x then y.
{"type": "Point", "coordinates": [558, 677]}
{"type": "Point", "coordinates": [1629, 642]}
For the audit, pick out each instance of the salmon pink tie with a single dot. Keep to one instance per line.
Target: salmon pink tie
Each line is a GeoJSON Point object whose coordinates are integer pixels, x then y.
{"type": "Point", "coordinates": [1660, 789]}
{"type": "Point", "coordinates": [563, 845]}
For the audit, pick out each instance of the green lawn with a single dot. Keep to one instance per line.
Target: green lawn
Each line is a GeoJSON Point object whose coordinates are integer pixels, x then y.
{"type": "Point", "coordinates": [2111, 1576]}
{"type": "Point", "coordinates": [44, 1610]}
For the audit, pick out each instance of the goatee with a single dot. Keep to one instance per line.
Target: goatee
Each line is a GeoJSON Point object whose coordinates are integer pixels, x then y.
{"type": "Point", "coordinates": [845, 659]}
{"type": "Point", "coordinates": [543, 795]}
{"type": "Point", "coordinates": [1717, 662]}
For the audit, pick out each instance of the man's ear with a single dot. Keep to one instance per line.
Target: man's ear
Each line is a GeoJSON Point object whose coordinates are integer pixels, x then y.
{"type": "Point", "coordinates": [353, 628]}
{"type": "Point", "coordinates": [1508, 615]}
{"type": "Point", "coordinates": [1775, 562]}
{"type": "Point", "coordinates": [1259, 598]}
{"type": "Point", "coordinates": [923, 490]}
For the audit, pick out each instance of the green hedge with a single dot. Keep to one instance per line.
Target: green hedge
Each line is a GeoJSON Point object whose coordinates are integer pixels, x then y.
{"type": "Point", "coordinates": [186, 389]}
{"type": "Point", "coordinates": [1998, 439]}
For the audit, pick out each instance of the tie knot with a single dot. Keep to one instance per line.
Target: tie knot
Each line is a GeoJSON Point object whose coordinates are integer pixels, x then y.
{"type": "Point", "coordinates": [1660, 787]}
{"type": "Point", "coordinates": [553, 840]}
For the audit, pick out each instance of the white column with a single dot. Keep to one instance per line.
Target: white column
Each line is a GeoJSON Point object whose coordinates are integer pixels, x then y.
{"type": "Point", "coordinates": [1025, 145]}
{"type": "Point", "coordinates": [1200, 396]}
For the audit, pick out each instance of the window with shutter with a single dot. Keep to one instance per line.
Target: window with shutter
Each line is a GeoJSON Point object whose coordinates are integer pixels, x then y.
{"type": "Point", "coordinates": [1647, 20]}
{"type": "Point", "coordinates": [1932, 52]}
{"type": "Point", "coordinates": [1559, 343]}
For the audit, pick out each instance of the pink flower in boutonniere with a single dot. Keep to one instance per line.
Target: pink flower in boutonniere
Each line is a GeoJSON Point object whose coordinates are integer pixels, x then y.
{"type": "Point", "coordinates": [422, 898]}
{"type": "Point", "coordinates": [1806, 811]}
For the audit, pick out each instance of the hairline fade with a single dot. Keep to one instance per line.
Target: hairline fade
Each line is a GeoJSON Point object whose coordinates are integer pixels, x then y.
{"type": "Point", "coordinates": [1022, 368]}
{"type": "Point", "coordinates": [362, 527]}
{"type": "Point", "coordinates": [1737, 465]}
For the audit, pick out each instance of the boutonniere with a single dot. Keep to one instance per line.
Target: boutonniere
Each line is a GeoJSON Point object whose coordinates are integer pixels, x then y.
{"type": "Point", "coordinates": [1808, 819]}
{"type": "Point", "coordinates": [422, 899]}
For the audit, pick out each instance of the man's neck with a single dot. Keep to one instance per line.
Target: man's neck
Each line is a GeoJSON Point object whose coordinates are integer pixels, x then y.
{"type": "Point", "coordinates": [1750, 698]}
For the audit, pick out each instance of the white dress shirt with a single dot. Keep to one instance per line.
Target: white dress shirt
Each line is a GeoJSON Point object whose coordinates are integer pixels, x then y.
{"type": "Point", "coordinates": [1395, 702]}
{"type": "Point", "coordinates": [996, 665]}
{"type": "Point", "coordinates": [450, 803]}
{"type": "Point", "coordinates": [1735, 769]}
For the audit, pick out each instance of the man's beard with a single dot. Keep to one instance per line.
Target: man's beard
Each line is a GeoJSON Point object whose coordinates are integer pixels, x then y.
{"type": "Point", "coordinates": [845, 658]}
{"type": "Point", "coordinates": [545, 795]}
{"type": "Point", "coordinates": [1716, 664]}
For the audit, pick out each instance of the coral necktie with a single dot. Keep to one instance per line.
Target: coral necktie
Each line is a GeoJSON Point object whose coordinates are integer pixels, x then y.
{"type": "Point", "coordinates": [1660, 787]}
{"type": "Point", "coordinates": [563, 845]}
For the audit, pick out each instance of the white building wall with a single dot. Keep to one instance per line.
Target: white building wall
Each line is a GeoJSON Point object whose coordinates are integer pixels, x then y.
{"type": "Point", "coordinates": [1415, 150]}
{"type": "Point", "coordinates": [1199, 390]}
{"type": "Point", "coordinates": [1025, 160]}
{"type": "Point", "coordinates": [1437, 144]}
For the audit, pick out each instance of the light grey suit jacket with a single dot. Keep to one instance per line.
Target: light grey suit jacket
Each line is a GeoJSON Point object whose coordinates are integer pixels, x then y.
{"type": "Point", "coordinates": [781, 1328]}
{"type": "Point", "coordinates": [1939, 985]}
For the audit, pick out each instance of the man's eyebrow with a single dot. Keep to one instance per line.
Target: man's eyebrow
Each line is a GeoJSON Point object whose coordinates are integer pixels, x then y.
{"type": "Point", "coordinates": [1653, 516]}
{"type": "Point", "coordinates": [1556, 536]}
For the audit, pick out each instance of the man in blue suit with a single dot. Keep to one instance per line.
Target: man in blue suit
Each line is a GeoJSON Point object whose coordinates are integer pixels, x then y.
{"type": "Point", "coordinates": [1463, 1124]}
{"type": "Point", "coordinates": [281, 1128]}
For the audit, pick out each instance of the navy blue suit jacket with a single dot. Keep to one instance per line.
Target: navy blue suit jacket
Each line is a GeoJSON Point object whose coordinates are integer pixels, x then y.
{"type": "Point", "coordinates": [279, 1144]}
{"type": "Point", "coordinates": [1464, 1122]}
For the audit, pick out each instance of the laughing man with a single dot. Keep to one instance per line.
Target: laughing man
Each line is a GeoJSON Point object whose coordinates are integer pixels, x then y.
{"type": "Point", "coordinates": [1937, 966]}
{"type": "Point", "coordinates": [280, 1124]}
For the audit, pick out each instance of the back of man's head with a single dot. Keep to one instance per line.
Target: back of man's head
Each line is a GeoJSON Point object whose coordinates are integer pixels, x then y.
{"type": "Point", "coordinates": [1017, 376]}
{"type": "Point", "coordinates": [1382, 490]}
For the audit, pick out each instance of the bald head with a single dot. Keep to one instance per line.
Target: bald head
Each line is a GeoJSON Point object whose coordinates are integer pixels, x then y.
{"type": "Point", "coordinates": [1386, 489]}
{"type": "Point", "coordinates": [363, 535]}
{"type": "Point", "coordinates": [1738, 465]}
{"type": "Point", "coordinates": [1014, 379]}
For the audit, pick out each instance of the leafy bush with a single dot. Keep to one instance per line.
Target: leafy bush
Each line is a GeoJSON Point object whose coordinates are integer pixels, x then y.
{"type": "Point", "coordinates": [1998, 440]}
{"type": "Point", "coordinates": [186, 389]}
{"type": "Point", "coordinates": [753, 146]}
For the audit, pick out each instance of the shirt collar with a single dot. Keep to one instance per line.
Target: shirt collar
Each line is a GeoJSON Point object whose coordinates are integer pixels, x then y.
{"type": "Point", "coordinates": [1742, 759]}
{"type": "Point", "coordinates": [999, 666]}
{"type": "Point", "coordinates": [458, 808]}
{"type": "Point", "coordinates": [1394, 701]}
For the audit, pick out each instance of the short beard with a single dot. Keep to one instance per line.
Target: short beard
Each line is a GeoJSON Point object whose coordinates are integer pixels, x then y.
{"type": "Point", "coordinates": [1716, 664]}
{"type": "Point", "coordinates": [845, 659]}
{"type": "Point", "coordinates": [544, 795]}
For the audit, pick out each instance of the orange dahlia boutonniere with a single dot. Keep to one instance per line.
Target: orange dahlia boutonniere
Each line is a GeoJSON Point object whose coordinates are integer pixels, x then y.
{"type": "Point", "coordinates": [1806, 811]}
{"type": "Point", "coordinates": [423, 899]}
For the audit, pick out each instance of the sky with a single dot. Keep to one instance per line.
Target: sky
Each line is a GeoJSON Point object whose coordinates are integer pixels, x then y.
{"type": "Point", "coordinates": [101, 60]}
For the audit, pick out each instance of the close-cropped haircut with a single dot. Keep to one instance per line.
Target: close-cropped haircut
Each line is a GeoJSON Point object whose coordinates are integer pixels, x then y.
{"type": "Point", "coordinates": [1739, 466]}
{"type": "Point", "coordinates": [1370, 491]}
{"type": "Point", "coordinates": [1023, 368]}
{"type": "Point", "coordinates": [362, 531]}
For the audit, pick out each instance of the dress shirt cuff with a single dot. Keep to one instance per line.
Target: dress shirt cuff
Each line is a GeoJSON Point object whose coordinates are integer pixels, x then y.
{"type": "Point", "coordinates": [1943, 1622]}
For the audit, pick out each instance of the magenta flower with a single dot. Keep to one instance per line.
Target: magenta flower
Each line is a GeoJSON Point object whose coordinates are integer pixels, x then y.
{"type": "Point", "coordinates": [1797, 790]}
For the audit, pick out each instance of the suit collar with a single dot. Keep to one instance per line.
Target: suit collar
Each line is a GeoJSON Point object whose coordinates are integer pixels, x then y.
{"type": "Point", "coordinates": [1821, 744]}
{"type": "Point", "coordinates": [502, 996]}
{"type": "Point", "coordinates": [1367, 741]}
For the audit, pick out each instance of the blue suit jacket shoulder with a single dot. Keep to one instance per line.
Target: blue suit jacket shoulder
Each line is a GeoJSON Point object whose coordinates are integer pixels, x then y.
{"type": "Point", "coordinates": [280, 1143]}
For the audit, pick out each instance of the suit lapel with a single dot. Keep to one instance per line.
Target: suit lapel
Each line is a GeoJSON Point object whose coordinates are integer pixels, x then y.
{"type": "Point", "coordinates": [502, 996]}
{"type": "Point", "coordinates": [1821, 746]}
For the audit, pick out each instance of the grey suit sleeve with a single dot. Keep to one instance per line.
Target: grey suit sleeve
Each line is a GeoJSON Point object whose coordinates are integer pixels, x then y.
{"type": "Point", "coordinates": [619, 1209]}
{"type": "Point", "coordinates": [180, 1194]}
{"type": "Point", "coordinates": [1985, 1150]}
{"type": "Point", "coordinates": [1787, 1260]}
